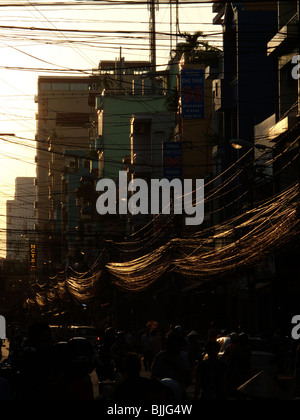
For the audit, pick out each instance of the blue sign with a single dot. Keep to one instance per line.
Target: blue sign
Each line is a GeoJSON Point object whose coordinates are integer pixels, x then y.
{"type": "Point", "coordinates": [172, 160]}
{"type": "Point", "coordinates": [192, 93]}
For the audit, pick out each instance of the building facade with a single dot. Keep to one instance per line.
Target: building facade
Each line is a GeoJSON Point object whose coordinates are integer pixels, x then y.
{"type": "Point", "coordinates": [129, 95]}
{"type": "Point", "coordinates": [20, 221]}
{"type": "Point", "coordinates": [245, 94]}
{"type": "Point", "coordinates": [281, 135]}
{"type": "Point", "coordinates": [70, 153]}
{"type": "Point", "coordinates": [64, 121]}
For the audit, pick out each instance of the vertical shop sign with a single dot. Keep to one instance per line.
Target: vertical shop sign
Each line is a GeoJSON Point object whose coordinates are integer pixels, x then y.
{"type": "Point", "coordinates": [32, 257]}
{"type": "Point", "coordinates": [172, 160]}
{"type": "Point", "coordinates": [192, 93]}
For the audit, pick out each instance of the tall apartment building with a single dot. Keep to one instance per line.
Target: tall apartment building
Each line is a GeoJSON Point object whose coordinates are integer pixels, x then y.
{"type": "Point", "coordinates": [20, 219]}
{"type": "Point", "coordinates": [64, 121]}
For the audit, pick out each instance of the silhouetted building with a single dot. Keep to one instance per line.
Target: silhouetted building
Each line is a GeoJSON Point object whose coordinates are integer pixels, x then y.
{"type": "Point", "coordinates": [20, 220]}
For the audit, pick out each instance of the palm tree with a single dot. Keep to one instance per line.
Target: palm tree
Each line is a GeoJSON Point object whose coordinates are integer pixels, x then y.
{"type": "Point", "coordinates": [195, 50]}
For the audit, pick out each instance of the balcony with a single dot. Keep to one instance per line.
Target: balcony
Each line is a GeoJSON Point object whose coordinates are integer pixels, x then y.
{"type": "Point", "coordinates": [219, 8]}
{"type": "Point", "coordinates": [271, 131]}
{"type": "Point", "coordinates": [286, 39]}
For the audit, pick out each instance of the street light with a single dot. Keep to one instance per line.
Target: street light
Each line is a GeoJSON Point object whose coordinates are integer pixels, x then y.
{"type": "Point", "coordinates": [241, 143]}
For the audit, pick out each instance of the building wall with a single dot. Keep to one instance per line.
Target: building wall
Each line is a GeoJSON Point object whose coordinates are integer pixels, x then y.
{"type": "Point", "coordinates": [149, 133]}
{"type": "Point", "coordinates": [115, 113]}
{"type": "Point", "coordinates": [129, 95]}
{"type": "Point", "coordinates": [20, 219]}
{"type": "Point", "coordinates": [63, 121]}
{"type": "Point", "coordinates": [249, 88]}
{"type": "Point", "coordinates": [283, 136]}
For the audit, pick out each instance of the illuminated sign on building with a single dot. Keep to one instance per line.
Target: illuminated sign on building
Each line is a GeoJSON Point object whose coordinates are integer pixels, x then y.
{"type": "Point", "coordinates": [32, 257]}
{"type": "Point", "coordinates": [192, 93]}
{"type": "Point", "coordinates": [172, 159]}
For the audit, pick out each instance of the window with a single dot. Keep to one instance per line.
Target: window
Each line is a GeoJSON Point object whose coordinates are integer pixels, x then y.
{"type": "Point", "coordinates": [100, 123]}
{"type": "Point", "coordinates": [45, 86]}
{"type": "Point", "coordinates": [79, 86]}
{"type": "Point", "coordinates": [72, 119]}
{"type": "Point", "coordinates": [60, 86]}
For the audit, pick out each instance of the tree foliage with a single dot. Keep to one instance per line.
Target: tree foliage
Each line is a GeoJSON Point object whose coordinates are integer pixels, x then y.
{"type": "Point", "coordinates": [195, 49]}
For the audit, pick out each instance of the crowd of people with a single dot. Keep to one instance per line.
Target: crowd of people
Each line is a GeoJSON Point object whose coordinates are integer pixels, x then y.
{"type": "Point", "coordinates": [151, 366]}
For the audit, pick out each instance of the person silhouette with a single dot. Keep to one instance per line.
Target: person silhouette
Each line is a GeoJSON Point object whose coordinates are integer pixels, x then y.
{"type": "Point", "coordinates": [136, 389]}
{"type": "Point", "coordinates": [34, 366]}
{"type": "Point", "coordinates": [211, 375]}
{"type": "Point", "coordinates": [173, 362]}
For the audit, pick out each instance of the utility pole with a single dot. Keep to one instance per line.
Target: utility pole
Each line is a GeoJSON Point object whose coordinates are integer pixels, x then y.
{"type": "Point", "coordinates": [177, 30]}
{"type": "Point", "coordinates": [171, 29]}
{"type": "Point", "coordinates": [176, 23]}
{"type": "Point", "coordinates": [153, 7]}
